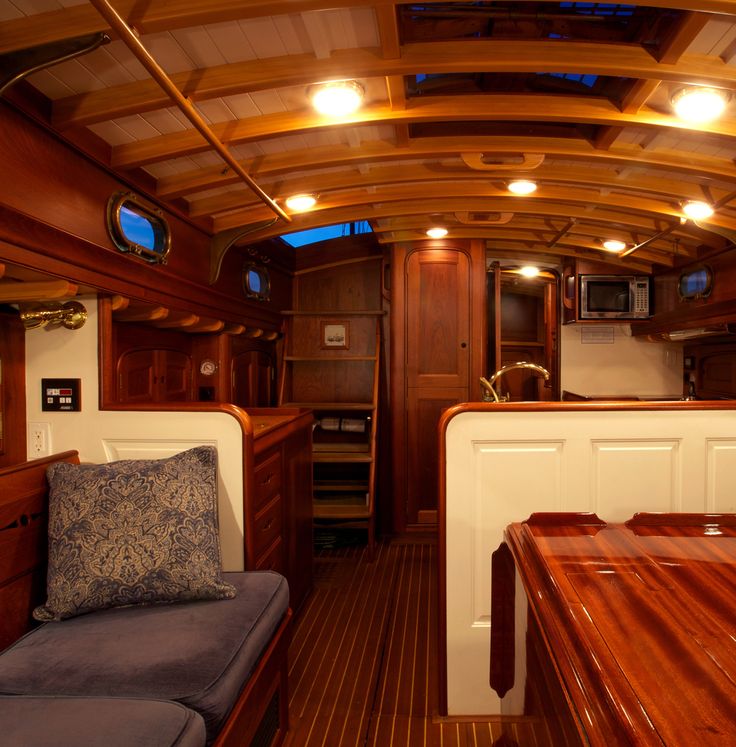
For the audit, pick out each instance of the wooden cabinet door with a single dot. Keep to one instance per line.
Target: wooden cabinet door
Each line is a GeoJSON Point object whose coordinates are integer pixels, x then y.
{"type": "Point", "coordinates": [253, 377]}
{"type": "Point", "coordinates": [154, 376]}
{"type": "Point", "coordinates": [137, 377]}
{"type": "Point", "coordinates": [174, 376]}
{"type": "Point", "coordinates": [437, 318]}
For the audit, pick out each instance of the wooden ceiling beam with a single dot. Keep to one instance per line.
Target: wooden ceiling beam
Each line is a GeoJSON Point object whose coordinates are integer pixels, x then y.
{"type": "Point", "coordinates": [157, 16]}
{"type": "Point", "coordinates": [478, 56]}
{"type": "Point", "coordinates": [333, 156]}
{"type": "Point", "coordinates": [424, 205]}
{"type": "Point", "coordinates": [551, 174]}
{"type": "Point", "coordinates": [487, 108]}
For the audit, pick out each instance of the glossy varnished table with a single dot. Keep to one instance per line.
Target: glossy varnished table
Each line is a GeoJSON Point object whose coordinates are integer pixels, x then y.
{"type": "Point", "coordinates": [630, 628]}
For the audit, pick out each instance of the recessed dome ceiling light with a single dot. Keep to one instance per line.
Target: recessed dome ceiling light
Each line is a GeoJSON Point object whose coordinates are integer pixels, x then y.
{"type": "Point", "coordinates": [529, 271]}
{"type": "Point", "coordinates": [300, 203]}
{"type": "Point", "coordinates": [697, 210]}
{"type": "Point", "coordinates": [522, 187]}
{"type": "Point", "coordinates": [614, 245]}
{"type": "Point", "coordinates": [699, 104]}
{"type": "Point", "coordinates": [337, 98]}
{"type": "Point", "coordinates": [437, 232]}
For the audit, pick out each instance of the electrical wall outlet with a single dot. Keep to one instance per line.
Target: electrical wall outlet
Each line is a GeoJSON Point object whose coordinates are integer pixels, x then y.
{"type": "Point", "coordinates": [39, 440]}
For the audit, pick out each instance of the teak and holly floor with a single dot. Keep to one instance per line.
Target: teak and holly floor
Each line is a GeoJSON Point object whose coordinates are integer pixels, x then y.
{"type": "Point", "coordinates": [363, 661]}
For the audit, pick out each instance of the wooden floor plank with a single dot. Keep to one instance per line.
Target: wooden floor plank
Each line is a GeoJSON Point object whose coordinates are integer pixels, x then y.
{"type": "Point", "coordinates": [363, 659]}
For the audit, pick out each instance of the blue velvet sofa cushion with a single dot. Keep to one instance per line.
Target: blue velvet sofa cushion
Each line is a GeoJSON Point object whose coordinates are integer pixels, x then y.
{"type": "Point", "coordinates": [133, 531]}
{"type": "Point", "coordinates": [91, 722]}
{"type": "Point", "coordinates": [197, 653]}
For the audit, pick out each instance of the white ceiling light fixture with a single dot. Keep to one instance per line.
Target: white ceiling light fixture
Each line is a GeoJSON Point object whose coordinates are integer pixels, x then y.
{"type": "Point", "coordinates": [522, 187]}
{"type": "Point", "coordinates": [699, 104]}
{"type": "Point", "coordinates": [337, 98]}
{"type": "Point", "coordinates": [529, 271]}
{"type": "Point", "coordinates": [697, 210]}
{"type": "Point", "coordinates": [437, 232]}
{"type": "Point", "coordinates": [614, 245]}
{"type": "Point", "coordinates": [301, 203]}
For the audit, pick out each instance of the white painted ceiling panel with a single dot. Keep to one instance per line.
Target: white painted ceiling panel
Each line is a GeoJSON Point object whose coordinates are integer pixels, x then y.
{"type": "Point", "coordinates": [197, 44]}
{"type": "Point", "coordinates": [106, 68]}
{"type": "Point", "coordinates": [268, 102]}
{"type": "Point", "coordinates": [111, 133]}
{"type": "Point", "coordinates": [50, 85]}
{"type": "Point", "coordinates": [242, 106]}
{"type": "Point", "coordinates": [293, 35]}
{"type": "Point", "coordinates": [215, 110]}
{"type": "Point", "coordinates": [231, 42]}
{"type": "Point", "coordinates": [164, 121]}
{"type": "Point", "coordinates": [168, 53]}
{"type": "Point", "coordinates": [137, 127]}
{"type": "Point", "coordinates": [264, 37]}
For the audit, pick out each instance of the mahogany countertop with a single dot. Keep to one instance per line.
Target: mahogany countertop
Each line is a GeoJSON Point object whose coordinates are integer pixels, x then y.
{"type": "Point", "coordinates": [639, 620]}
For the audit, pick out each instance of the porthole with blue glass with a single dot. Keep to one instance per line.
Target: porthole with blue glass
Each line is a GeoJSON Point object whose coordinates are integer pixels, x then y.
{"type": "Point", "coordinates": [256, 282]}
{"type": "Point", "coordinates": [694, 284]}
{"type": "Point", "coordinates": [138, 228]}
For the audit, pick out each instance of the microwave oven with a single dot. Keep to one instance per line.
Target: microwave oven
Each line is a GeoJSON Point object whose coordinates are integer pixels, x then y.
{"type": "Point", "coordinates": [614, 297]}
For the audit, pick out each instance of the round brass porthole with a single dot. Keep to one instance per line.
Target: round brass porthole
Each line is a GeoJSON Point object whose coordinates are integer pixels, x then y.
{"type": "Point", "coordinates": [256, 282]}
{"type": "Point", "coordinates": [695, 283]}
{"type": "Point", "coordinates": [138, 228]}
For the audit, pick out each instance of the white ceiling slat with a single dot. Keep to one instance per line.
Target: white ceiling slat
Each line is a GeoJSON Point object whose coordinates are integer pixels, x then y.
{"type": "Point", "coordinates": [168, 53]}
{"type": "Point", "coordinates": [164, 121]}
{"type": "Point", "coordinates": [111, 133]}
{"type": "Point", "coordinates": [242, 106]}
{"type": "Point", "coordinates": [50, 85]}
{"type": "Point", "coordinates": [264, 38]}
{"type": "Point", "coordinates": [293, 35]}
{"type": "Point", "coordinates": [363, 27]}
{"type": "Point", "coordinates": [79, 78]}
{"type": "Point", "coordinates": [247, 151]}
{"type": "Point", "coordinates": [137, 127]}
{"type": "Point", "coordinates": [215, 110]}
{"type": "Point", "coordinates": [710, 39]}
{"type": "Point", "coordinates": [126, 59]}
{"type": "Point", "coordinates": [106, 68]}
{"type": "Point", "coordinates": [268, 102]}
{"type": "Point", "coordinates": [316, 26]}
{"type": "Point", "coordinates": [231, 42]}
{"type": "Point", "coordinates": [199, 47]}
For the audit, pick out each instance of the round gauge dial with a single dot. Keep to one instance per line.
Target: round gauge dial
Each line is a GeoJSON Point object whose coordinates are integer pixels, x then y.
{"type": "Point", "coordinates": [208, 367]}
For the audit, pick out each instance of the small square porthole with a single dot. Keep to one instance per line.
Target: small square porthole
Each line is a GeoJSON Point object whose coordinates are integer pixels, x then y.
{"type": "Point", "coordinates": [138, 228]}
{"type": "Point", "coordinates": [256, 282]}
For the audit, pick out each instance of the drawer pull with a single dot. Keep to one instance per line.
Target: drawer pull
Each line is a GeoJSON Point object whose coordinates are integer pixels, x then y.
{"type": "Point", "coordinates": [267, 478]}
{"type": "Point", "coordinates": [267, 525]}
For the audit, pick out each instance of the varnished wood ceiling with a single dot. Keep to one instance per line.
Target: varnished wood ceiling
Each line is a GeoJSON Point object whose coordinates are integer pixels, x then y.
{"type": "Point", "coordinates": [460, 99]}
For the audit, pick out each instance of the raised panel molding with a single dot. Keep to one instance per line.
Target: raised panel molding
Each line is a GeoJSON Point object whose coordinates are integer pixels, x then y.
{"type": "Point", "coordinates": [512, 479]}
{"type": "Point", "coordinates": [628, 475]}
{"type": "Point", "coordinates": [719, 479]}
{"type": "Point", "coordinates": [501, 466]}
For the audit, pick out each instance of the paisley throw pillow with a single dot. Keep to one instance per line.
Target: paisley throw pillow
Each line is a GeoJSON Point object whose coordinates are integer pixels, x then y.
{"type": "Point", "coordinates": [133, 532]}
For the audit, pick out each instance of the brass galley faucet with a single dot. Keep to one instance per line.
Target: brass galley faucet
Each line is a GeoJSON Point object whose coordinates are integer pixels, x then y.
{"type": "Point", "coordinates": [490, 394]}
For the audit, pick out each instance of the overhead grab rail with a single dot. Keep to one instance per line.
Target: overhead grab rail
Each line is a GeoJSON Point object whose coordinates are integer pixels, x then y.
{"type": "Point", "coordinates": [127, 35]}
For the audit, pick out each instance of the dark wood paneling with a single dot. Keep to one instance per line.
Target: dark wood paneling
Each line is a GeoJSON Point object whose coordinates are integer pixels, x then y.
{"type": "Point", "coordinates": [12, 389]}
{"type": "Point", "coordinates": [352, 286]}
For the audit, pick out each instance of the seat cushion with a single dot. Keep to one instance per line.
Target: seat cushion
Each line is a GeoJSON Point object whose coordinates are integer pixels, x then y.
{"type": "Point", "coordinates": [90, 722]}
{"type": "Point", "coordinates": [197, 653]}
{"type": "Point", "coordinates": [131, 532]}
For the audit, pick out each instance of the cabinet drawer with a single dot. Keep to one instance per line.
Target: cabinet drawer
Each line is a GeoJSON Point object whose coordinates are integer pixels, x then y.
{"type": "Point", "coordinates": [267, 525]}
{"type": "Point", "coordinates": [267, 480]}
{"type": "Point", "coordinates": [272, 559]}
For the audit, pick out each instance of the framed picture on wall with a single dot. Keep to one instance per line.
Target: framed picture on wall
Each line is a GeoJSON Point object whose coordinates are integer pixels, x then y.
{"type": "Point", "coordinates": [335, 335]}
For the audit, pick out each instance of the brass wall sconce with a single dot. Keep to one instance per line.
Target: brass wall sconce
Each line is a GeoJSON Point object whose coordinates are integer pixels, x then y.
{"type": "Point", "coordinates": [71, 315]}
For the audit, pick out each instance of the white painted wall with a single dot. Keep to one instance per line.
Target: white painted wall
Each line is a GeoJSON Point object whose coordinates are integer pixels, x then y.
{"type": "Point", "coordinates": [626, 366]}
{"type": "Point", "coordinates": [503, 465]}
{"type": "Point", "coordinates": [104, 436]}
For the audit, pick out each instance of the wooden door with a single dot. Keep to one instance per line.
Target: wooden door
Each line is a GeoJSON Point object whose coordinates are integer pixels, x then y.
{"type": "Point", "coordinates": [438, 351]}
{"type": "Point", "coordinates": [437, 318]}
